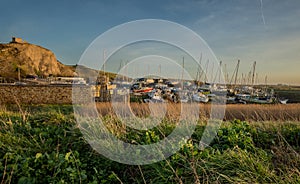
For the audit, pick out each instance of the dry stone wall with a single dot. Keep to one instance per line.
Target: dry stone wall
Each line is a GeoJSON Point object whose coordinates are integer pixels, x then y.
{"type": "Point", "coordinates": [37, 94]}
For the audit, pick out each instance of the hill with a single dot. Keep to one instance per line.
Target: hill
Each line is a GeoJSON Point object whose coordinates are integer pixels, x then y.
{"type": "Point", "coordinates": [29, 59]}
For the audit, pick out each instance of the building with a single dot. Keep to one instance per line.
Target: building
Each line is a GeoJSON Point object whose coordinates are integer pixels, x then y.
{"type": "Point", "coordinates": [17, 40]}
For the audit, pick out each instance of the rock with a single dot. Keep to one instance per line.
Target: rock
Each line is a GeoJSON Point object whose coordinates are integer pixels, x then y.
{"type": "Point", "coordinates": [31, 60]}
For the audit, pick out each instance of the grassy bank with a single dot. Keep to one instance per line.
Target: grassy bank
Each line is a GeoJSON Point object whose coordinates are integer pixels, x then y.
{"type": "Point", "coordinates": [249, 112]}
{"type": "Point", "coordinates": [42, 144]}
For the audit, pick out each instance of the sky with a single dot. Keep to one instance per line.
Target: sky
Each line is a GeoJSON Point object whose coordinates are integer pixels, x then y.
{"type": "Point", "coordinates": [265, 31]}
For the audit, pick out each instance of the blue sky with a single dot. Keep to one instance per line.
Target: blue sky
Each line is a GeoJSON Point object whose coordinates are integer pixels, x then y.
{"type": "Point", "coordinates": [234, 29]}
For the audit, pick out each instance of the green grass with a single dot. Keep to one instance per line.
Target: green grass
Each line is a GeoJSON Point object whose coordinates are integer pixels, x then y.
{"type": "Point", "coordinates": [42, 144]}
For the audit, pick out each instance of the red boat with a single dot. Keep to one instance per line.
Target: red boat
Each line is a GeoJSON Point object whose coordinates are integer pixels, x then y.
{"type": "Point", "coordinates": [143, 90]}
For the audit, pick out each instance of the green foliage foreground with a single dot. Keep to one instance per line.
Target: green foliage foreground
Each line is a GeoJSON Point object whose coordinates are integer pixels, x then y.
{"type": "Point", "coordinates": [43, 145]}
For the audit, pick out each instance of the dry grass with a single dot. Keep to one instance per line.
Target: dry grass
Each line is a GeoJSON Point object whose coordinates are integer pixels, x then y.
{"type": "Point", "coordinates": [249, 112]}
{"type": "Point", "coordinates": [256, 112]}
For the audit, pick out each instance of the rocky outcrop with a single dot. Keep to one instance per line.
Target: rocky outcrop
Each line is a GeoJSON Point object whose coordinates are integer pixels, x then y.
{"type": "Point", "coordinates": [30, 59]}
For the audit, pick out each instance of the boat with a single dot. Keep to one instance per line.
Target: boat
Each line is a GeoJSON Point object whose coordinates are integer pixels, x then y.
{"type": "Point", "coordinates": [247, 98]}
{"type": "Point", "coordinates": [143, 90]}
{"type": "Point", "coordinates": [242, 98]}
{"type": "Point", "coordinates": [284, 101]}
{"type": "Point", "coordinates": [156, 98]}
{"type": "Point", "coordinates": [259, 100]}
{"type": "Point", "coordinates": [200, 97]}
{"type": "Point", "coordinates": [184, 99]}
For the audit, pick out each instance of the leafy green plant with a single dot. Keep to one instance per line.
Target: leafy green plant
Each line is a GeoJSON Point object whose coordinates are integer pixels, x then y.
{"type": "Point", "coordinates": [238, 133]}
{"type": "Point", "coordinates": [48, 147]}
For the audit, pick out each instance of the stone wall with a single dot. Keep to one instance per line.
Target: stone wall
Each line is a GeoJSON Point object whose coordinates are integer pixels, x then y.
{"type": "Point", "coordinates": [43, 94]}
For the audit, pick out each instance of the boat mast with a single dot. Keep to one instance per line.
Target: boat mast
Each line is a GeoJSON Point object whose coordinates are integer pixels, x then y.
{"type": "Point", "coordinates": [206, 68]}
{"type": "Point", "coordinates": [120, 68]}
{"type": "Point", "coordinates": [220, 70]}
{"type": "Point", "coordinates": [256, 78]}
{"type": "Point", "coordinates": [243, 79]}
{"type": "Point", "coordinates": [198, 75]}
{"type": "Point", "coordinates": [249, 78]}
{"type": "Point", "coordinates": [266, 81]}
{"type": "Point", "coordinates": [218, 73]}
{"type": "Point", "coordinates": [199, 68]}
{"type": "Point", "coordinates": [182, 72]}
{"type": "Point", "coordinates": [104, 60]}
{"type": "Point", "coordinates": [237, 71]}
{"type": "Point", "coordinates": [226, 74]}
{"type": "Point", "coordinates": [253, 72]}
{"type": "Point", "coordinates": [126, 70]}
{"type": "Point", "coordinates": [204, 72]}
